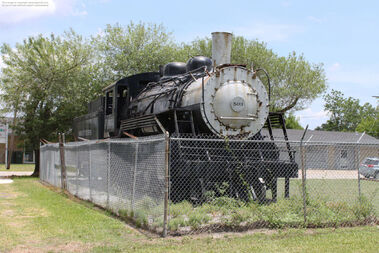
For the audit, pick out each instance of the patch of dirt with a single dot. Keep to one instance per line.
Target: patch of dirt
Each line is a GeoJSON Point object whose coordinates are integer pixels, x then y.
{"type": "Point", "coordinates": [27, 213]}
{"type": "Point", "coordinates": [213, 229]}
{"type": "Point", "coordinates": [6, 204]}
{"type": "Point", "coordinates": [64, 247]}
{"type": "Point", "coordinates": [7, 212]}
{"type": "Point", "coordinates": [237, 234]}
{"type": "Point", "coordinates": [34, 212]}
{"type": "Point", "coordinates": [15, 223]}
{"type": "Point", "coordinates": [309, 232]}
{"type": "Point", "coordinates": [8, 195]}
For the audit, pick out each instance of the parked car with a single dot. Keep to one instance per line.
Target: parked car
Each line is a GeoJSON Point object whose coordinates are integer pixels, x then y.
{"type": "Point", "coordinates": [370, 167]}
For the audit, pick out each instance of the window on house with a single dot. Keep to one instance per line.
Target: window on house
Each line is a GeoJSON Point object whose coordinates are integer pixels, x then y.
{"type": "Point", "coordinates": [28, 156]}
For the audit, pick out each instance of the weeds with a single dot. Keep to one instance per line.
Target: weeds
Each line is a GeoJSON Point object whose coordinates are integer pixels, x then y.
{"type": "Point", "coordinates": [284, 213]}
{"type": "Point", "coordinates": [363, 208]}
{"type": "Point", "coordinates": [198, 218]}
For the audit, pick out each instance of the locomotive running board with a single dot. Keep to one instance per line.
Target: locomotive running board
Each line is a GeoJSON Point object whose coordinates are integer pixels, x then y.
{"type": "Point", "coordinates": [144, 121]}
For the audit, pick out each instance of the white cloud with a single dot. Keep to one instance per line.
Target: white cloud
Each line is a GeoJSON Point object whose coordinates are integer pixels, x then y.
{"type": "Point", "coordinates": [309, 113]}
{"type": "Point", "coordinates": [360, 82]}
{"type": "Point", "coordinates": [285, 3]}
{"type": "Point", "coordinates": [334, 67]}
{"type": "Point", "coordinates": [312, 117]}
{"type": "Point", "coordinates": [100, 32]}
{"type": "Point", "coordinates": [316, 19]}
{"type": "Point", "coordinates": [16, 14]}
{"type": "Point", "coordinates": [367, 77]}
{"type": "Point", "coordinates": [79, 13]}
{"type": "Point", "coordinates": [269, 32]}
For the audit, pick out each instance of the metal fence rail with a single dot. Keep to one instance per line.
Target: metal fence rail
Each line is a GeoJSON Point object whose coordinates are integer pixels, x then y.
{"type": "Point", "coordinates": [192, 184]}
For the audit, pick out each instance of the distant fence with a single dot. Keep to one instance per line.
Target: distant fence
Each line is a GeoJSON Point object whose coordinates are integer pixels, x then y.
{"type": "Point", "coordinates": [153, 181]}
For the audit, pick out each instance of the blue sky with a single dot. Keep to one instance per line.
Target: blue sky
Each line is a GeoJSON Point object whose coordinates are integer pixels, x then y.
{"type": "Point", "coordinates": [343, 35]}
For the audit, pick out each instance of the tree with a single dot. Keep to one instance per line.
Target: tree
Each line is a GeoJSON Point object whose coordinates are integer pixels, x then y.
{"type": "Point", "coordinates": [49, 81]}
{"type": "Point", "coordinates": [370, 125]}
{"type": "Point", "coordinates": [295, 82]}
{"type": "Point", "coordinates": [293, 122]}
{"type": "Point", "coordinates": [135, 48]}
{"type": "Point", "coordinates": [143, 47]}
{"type": "Point", "coordinates": [346, 113]}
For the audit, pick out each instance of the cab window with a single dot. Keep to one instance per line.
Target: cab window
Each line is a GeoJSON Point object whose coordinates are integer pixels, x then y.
{"type": "Point", "coordinates": [109, 103]}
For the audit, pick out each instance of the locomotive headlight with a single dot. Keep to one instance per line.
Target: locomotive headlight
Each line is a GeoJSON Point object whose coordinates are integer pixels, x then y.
{"type": "Point", "coordinates": [235, 102]}
{"type": "Point", "coordinates": [234, 105]}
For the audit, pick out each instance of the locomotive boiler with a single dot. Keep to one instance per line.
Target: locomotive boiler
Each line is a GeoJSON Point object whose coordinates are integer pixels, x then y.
{"type": "Point", "coordinates": [201, 97]}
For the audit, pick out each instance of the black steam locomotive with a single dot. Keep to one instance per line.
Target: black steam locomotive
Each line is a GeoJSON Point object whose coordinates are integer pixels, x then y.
{"type": "Point", "coordinates": [201, 97]}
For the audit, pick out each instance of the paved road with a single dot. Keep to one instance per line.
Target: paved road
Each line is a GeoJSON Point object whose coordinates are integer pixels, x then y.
{"type": "Point", "coordinates": [330, 174]}
{"type": "Point", "coordinates": [15, 173]}
{"type": "Point", "coordinates": [6, 181]}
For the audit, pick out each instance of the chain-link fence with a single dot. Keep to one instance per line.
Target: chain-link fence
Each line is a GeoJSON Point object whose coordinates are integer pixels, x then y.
{"type": "Point", "coordinates": [222, 184]}
{"type": "Point", "coordinates": [124, 176]}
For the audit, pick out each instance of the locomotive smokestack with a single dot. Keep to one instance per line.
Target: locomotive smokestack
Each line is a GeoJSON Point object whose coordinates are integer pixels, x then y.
{"type": "Point", "coordinates": [221, 48]}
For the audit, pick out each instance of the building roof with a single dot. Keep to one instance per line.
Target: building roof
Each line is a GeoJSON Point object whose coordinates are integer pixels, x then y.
{"type": "Point", "coordinates": [323, 136]}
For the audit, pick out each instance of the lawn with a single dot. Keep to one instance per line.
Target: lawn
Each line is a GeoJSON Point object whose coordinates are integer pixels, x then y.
{"type": "Point", "coordinates": [34, 218]}
{"type": "Point", "coordinates": [341, 190]}
{"type": "Point", "coordinates": [18, 167]}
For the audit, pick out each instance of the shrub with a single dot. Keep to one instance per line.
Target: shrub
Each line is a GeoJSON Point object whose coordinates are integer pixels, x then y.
{"type": "Point", "coordinates": [182, 208]}
{"type": "Point", "coordinates": [141, 218]}
{"type": "Point", "coordinates": [363, 208]}
{"type": "Point", "coordinates": [196, 219]}
{"type": "Point", "coordinates": [177, 222]}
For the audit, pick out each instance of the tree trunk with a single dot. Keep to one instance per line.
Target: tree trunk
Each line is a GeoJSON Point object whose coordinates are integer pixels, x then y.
{"type": "Point", "coordinates": [36, 168]}
{"type": "Point", "coordinates": [11, 143]}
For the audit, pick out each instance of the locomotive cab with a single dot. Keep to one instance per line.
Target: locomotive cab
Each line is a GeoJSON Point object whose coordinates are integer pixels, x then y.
{"type": "Point", "coordinates": [117, 99]}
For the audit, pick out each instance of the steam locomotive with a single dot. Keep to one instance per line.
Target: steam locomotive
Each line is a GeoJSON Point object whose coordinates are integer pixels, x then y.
{"type": "Point", "coordinates": [201, 97]}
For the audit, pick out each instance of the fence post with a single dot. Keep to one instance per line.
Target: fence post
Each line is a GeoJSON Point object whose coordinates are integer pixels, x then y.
{"type": "Point", "coordinates": [303, 178]}
{"type": "Point", "coordinates": [89, 171]}
{"type": "Point", "coordinates": [358, 161]}
{"type": "Point", "coordinates": [108, 171]}
{"type": "Point", "coordinates": [56, 179]}
{"type": "Point", "coordinates": [41, 158]}
{"type": "Point", "coordinates": [134, 175]}
{"type": "Point", "coordinates": [77, 148]}
{"type": "Point", "coordinates": [167, 184]}
{"type": "Point", "coordinates": [63, 163]}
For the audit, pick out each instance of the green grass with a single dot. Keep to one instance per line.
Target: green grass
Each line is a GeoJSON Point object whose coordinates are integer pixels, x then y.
{"type": "Point", "coordinates": [330, 202]}
{"type": "Point", "coordinates": [35, 218]}
{"type": "Point", "coordinates": [341, 190]}
{"type": "Point", "coordinates": [18, 167]}
{"type": "Point", "coordinates": [230, 213]}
